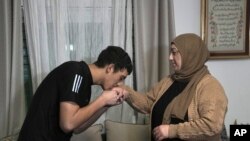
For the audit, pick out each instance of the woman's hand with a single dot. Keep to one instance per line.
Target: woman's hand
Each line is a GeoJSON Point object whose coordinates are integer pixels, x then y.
{"type": "Point", "coordinates": [161, 132]}
{"type": "Point", "coordinates": [125, 92]}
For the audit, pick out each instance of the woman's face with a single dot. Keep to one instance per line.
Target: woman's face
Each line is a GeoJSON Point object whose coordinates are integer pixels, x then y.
{"type": "Point", "coordinates": [175, 58]}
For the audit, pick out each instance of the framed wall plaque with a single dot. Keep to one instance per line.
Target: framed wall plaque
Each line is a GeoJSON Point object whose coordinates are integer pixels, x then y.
{"type": "Point", "coordinates": [225, 28]}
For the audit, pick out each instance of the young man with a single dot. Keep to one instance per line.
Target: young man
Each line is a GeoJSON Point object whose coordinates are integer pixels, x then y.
{"type": "Point", "coordinates": [61, 105]}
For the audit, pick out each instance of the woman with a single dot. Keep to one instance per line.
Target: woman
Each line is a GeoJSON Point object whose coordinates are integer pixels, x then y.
{"type": "Point", "coordinates": [189, 104]}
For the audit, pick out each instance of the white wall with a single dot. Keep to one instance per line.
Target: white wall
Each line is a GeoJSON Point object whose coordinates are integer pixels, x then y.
{"type": "Point", "coordinates": [234, 74]}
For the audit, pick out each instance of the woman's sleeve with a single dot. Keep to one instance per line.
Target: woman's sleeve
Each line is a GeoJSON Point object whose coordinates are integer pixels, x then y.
{"type": "Point", "coordinates": [144, 101]}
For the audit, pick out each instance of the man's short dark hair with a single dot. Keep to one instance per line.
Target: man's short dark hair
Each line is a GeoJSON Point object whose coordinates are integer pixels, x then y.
{"type": "Point", "coordinates": [114, 55]}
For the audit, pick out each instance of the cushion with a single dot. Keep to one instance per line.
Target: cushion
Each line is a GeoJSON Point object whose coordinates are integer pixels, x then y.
{"type": "Point", "coordinates": [117, 131]}
{"type": "Point", "coordinates": [93, 133]}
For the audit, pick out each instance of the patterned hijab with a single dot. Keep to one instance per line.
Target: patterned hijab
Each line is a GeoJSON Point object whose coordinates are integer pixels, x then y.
{"type": "Point", "coordinates": [194, 54]}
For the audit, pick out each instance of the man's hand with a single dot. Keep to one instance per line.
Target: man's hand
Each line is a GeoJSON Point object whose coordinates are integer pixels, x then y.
{"type": "Point", "coordinates": [113, 97]}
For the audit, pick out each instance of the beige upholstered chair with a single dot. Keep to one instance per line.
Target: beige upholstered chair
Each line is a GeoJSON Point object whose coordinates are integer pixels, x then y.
{"type": "Point", "coordinates": [117, 131]}
{"type": "Point", "coordinates": [93, 133]}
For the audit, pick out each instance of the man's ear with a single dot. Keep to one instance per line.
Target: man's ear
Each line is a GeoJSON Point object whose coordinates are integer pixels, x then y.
{"type": "Point", "coordinates": [110, 68]}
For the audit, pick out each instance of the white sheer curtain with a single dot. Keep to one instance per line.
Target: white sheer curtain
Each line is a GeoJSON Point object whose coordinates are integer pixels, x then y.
{"type": "Point", "coordinates": [62, 30]}
{"type": "Point", "coordinates": [154, 29]}
{"type": "Point", "coordinates": [12, 103]}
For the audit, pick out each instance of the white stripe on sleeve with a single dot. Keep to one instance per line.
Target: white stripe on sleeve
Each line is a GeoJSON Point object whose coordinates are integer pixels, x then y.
{"type": "Point", "coordinates": [77, 83]}
{"type": "Point", "coordinates": [74, 82]}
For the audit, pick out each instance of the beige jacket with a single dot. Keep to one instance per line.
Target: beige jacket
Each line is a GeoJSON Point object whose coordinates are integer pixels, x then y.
{"type": "Point", "coordinates": [206, 112]}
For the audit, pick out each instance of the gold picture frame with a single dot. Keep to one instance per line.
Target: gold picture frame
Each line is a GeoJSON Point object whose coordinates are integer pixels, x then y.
{"type": "Point", "coordinates": [225, 28]}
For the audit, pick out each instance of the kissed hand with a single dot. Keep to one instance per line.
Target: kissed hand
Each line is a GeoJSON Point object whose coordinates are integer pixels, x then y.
{"type": "Point", "coordinates": [123, 94]}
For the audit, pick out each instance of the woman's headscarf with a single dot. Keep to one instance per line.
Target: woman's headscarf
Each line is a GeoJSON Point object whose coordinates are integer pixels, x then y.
{"type": "Point", "coordinates": [194, 54]}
